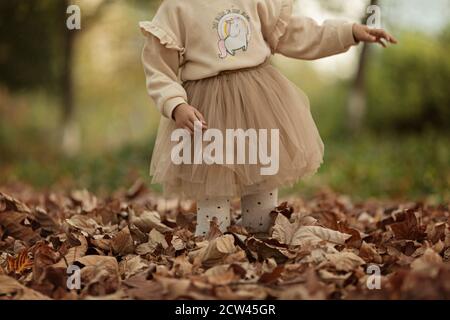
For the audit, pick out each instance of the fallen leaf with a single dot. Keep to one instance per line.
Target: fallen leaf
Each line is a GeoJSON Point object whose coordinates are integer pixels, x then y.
{"type": "Point", "coordinates": [21, 263]}
{"type": "Point", "coordinates": [12, 289]}
{"type": "Point", "coordinates": [344, 261]}
{"type": "Point", "coordinates": [14, 226]}
{"type": "Point", "coordinates": [132, 265]}
{"type": "Point", "coordinates": [216, 250]}
{"type": "Point", "coordinates": [122, 243]}
{"type": "Point", "coordinates": [408, 227]}
{"type": "Point", "coordinates": [73, 254]}
{"type": "Point", "coordinates": [149, 220]}
{"type": "Point", "coordinates": [83, 223]}
{"type": "Point", "coordinates": [87, 201]}
{"type": "Point", "coordinates": [313, 235]}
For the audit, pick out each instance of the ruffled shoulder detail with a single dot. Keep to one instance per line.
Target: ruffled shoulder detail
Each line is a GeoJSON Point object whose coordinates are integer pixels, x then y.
{"type": "Point", "coordinates": [282, 23]}
{"type": "Point", "coordinates": [166, 39]}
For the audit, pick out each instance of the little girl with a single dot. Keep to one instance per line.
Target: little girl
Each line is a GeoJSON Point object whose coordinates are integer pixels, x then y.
{"type": "Point", "coordinates": [206, 62]}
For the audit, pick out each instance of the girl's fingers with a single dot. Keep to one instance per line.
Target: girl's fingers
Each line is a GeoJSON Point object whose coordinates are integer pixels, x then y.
{"type": "Point", "coordinates": [202, 119]}
{"type": "Point", "coordinates": [189, 124]}
{"type": "Point", "coordinates": [392, 39]}
{"type": "Point", "coordinates": [191, 131]}
{"type": "Point", "coordinates": [380, 33]}
{"type": "Point", "coordinates": [200, 116]}
{"type": "Point", "coordinates": [369, 38]}
{"type": "Point", "coordinates": [195, 118]}
{"type": "Point", "coordinates": [381, 42]}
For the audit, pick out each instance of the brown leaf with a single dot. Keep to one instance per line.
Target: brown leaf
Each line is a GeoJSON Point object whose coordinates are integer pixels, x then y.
{"type": "Point", "coordinates": [214, 231]}
{"type": "Point", "coordinates": [369, 253]}
{"type": "Point", "coordinates": [177, 243]}
{"type": "Point", "coordinates": [265, 250]}
{"type": "Point", "coordinates": [138, 287]}
{"type": "Point", "coordinates": [21, 263]}
{"type": "Point", "coordinates": [87, 201]}
{"type": "Point", "coordinates": [313, 235]}
{"type": "Point", "coordinates": [122, 243]}
{"type": "Point", "coordinates": [12, 289]}
{"type": "Point", "coordinates": [73, 254]}
{"type": "Point", "coordinates": [408, 227]}
{"type": "Point", "coordinates": [100, 275]}
{"type": "Point", "coordinates": [14, 225]}
{"type": "Point", "coordinates": [344, 261]}
{"type": "Point", "coordinates": [216, 250]}
{"type": "Point", "coordinates": [8, 203]}
{"type": "Point", "coordinates": [270, 277]}
{"type": "Point", "coordinates": [44, 256]}
{"type": "Point", "coordinates": [174, 288]}
{"type": "Point", "coordinates": [149, 220]}
{"type": "Point", "coordinates": [428, 262]}
{"type": "Point", "coordinates": [132, 265]}
{"type": "Point", "coordinates": [46, 222]}
{"type": "Point", "coordinates": [87, 225]}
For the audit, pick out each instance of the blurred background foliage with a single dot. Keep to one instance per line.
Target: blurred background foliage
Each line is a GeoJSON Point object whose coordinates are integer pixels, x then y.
{"type": "Point", "coordinates": [74, 111]}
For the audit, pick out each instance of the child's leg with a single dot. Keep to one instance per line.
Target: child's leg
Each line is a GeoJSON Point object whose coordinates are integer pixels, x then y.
{"type": "Point", "coordinates": [210, 208]}
{"type": "Point", "coordinates": [256, 210]}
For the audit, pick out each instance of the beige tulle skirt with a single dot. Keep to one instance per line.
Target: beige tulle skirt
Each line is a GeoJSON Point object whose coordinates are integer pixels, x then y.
{"type": "Point", "coordinates": [254, 98]}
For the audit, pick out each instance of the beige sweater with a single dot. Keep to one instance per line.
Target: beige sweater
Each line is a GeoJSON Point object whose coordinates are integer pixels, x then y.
{"type": "Point", "coordinates": [195, 39]}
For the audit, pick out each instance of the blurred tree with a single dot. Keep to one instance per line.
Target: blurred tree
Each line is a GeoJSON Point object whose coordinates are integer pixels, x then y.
{"type": "Point", "coordinates": [408, 85]}
{"type": "Point", "coordinates": [29, 37]}
{"type": "Point", "coordinates": [357, 100]}
{"type": "Point", "coordinates": [37, 50]}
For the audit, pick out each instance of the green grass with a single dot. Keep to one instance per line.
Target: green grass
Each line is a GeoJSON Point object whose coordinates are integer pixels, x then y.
{"type": "Point", "coordinates": [388, 166]}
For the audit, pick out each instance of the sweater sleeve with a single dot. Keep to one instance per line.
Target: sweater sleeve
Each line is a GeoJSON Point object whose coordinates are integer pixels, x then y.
{"type": "Point", "coordinates": [162, 56]}
{"type": "Point", "coordinates": [301, 37]}
{"type": "Point", "coordinates": [161, 66]}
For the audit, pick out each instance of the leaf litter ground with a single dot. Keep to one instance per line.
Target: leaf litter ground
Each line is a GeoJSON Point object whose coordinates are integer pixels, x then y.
{"type": "Point", "coordinates": [133, 244]}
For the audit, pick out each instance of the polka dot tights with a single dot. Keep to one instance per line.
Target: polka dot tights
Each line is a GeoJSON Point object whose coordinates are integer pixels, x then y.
{"type": "Point", "coordinates": [255, 209]}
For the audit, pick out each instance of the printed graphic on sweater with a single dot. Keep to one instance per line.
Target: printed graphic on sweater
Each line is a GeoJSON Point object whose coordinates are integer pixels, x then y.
{"type": "Point", "coordinates": [233, 29]}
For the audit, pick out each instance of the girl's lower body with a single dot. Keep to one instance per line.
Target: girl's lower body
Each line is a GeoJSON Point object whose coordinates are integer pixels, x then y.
{"type": "Point", "coordinates": [255, 98]}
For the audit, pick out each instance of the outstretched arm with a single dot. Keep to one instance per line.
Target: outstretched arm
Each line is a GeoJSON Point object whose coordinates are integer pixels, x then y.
{"type": "Point", "coordinates": [306, 39]}
{"type": "Point", "coordinates": [303, 38]}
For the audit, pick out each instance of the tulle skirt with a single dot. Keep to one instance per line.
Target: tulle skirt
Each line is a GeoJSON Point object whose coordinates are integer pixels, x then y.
{"type": "Point", "coordinates": [253, 98]}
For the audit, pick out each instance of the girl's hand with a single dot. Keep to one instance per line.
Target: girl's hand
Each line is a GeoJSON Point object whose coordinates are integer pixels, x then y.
{"type": "Point", "coordinates": [185, 117]}
{"type": "Point", "coordinates": [366, 34]}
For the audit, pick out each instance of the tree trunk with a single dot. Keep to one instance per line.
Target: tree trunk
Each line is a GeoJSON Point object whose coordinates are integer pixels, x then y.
{"type": "Point", "coordinates": [357, 100]}
{"type": "Point", "coordinates": [70, 128]}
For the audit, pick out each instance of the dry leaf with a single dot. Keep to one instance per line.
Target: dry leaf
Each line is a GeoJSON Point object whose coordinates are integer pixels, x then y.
{"type": "Point", "coordinates": [313, 235]}
{"type": "Point", "coordinates": [344, 261]}
{"type": "Point", "coordinates": [83, 223]}
{"type": "Point", "coordinates": [149, 220]}
{"type": "Point", "coordinates": [21, 263]}
{"type": "Point", "coordinates": [14, 225]}
{"type": "Point", "coordinates": [122, 243]}
{"type": "Point", "coordinates": [408, 227]}
{"type": "Point", "coordinates": [155, 238]}
{"type": "Point", "coordinates": [177, 243]}
{"type": "Point", "coordinates": [132, 265]}
{"type": "Point", "coordinates": [174, 288]}
{"type": "Point", "coordinates": [427, 262]}
{"type": "Point", "coordinates": [87, 201]}
{"type": "Point", "coordinates": [216, 250]}
{"type": "Point", "coordinates": [8, 203]}
{"type": "Point", "coordinates": [12, 289]}
{"type": "Point", "coordinates": [369, 253]}
{"type": "Point", "coordinates": [73, 254]}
